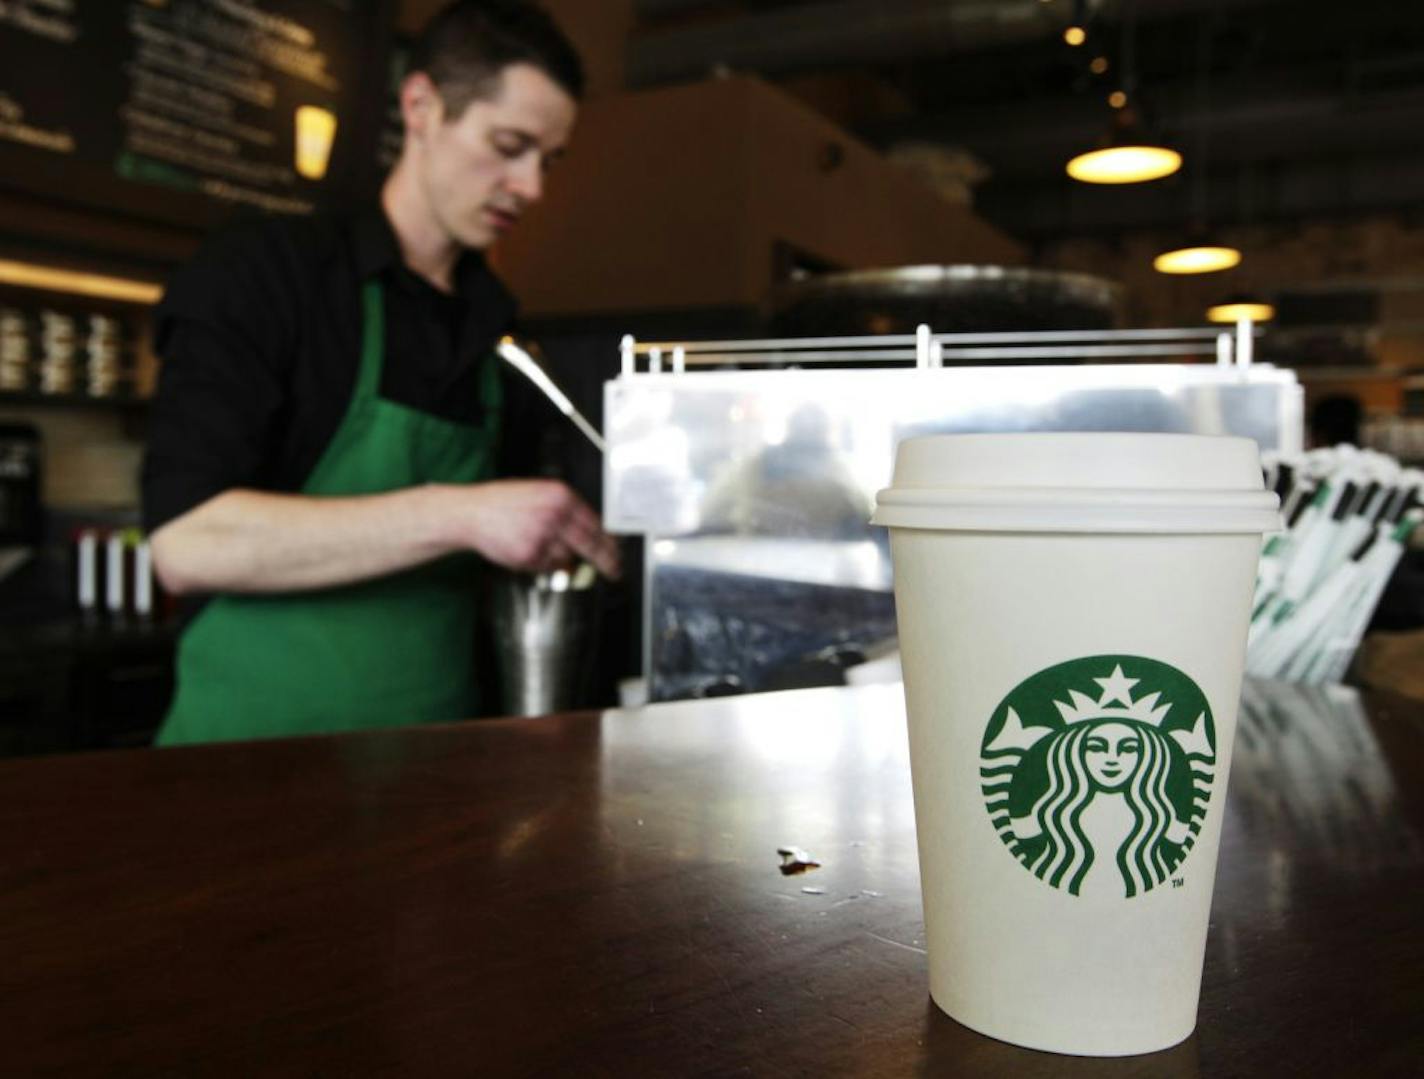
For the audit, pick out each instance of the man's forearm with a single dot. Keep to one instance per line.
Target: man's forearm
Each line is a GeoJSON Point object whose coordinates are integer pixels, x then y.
{"type": "Point", "coordinates": [256, 541]}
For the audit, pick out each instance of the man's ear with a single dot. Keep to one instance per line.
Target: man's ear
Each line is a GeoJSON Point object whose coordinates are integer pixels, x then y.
{"type": "Point", "coordinates": [422, 108]}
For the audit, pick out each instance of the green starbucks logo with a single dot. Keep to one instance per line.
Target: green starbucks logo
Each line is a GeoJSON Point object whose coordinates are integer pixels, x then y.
{"type": "Point", "coordinates": [1097, 773]}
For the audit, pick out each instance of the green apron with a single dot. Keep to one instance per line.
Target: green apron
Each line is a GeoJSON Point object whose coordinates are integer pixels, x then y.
{"type": "Point", "coordinates": [388, 652]}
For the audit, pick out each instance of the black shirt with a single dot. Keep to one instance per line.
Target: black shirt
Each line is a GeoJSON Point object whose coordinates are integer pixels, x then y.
{"type": "Point", "coordinates": [260, 338]}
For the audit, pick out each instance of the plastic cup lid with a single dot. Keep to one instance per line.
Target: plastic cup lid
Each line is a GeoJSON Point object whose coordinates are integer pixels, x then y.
{"type": "Point", "coordinates": [1079, 482]}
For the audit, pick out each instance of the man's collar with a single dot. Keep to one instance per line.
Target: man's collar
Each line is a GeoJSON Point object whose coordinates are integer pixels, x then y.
{"type": "Point", "coordinates": [376, 247]}
{"type": "Point", "coordinates": [378, 251]}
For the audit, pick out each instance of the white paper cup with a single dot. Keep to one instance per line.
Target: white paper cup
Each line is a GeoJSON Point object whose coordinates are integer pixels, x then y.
{"type": "Point", "coordinates": [1072, 614]}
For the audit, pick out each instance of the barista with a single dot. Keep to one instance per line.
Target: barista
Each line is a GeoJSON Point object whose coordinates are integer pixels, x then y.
{"type": "Point", "coordinates": [331, 427]}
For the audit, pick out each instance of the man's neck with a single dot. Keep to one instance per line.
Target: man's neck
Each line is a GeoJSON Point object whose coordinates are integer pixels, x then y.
{"type": "Point", "coordinates": [425, 247]}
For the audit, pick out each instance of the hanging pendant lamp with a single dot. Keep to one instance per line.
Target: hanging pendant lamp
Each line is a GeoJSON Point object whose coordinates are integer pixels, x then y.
{"type": "Point", "coordinates": [1241, 306]}
{"type": "Point", "coordinates": [1126, 154]}
{"type": "Point", "coordinates": [1199, 253]}
{"type": "Point", "coordinates": [1128, 163]}
{"type": "Point", "coordinates": [1076, 31]}
{"type": "Point", "coordinates": [1197, 258]}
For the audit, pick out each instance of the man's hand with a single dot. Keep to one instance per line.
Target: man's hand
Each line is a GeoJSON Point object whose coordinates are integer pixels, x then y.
{"type": "Point", "coordinates": [531, 525]}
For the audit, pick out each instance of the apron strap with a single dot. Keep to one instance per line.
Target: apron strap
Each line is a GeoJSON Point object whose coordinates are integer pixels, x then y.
{"type": "Point", "coordinates": [492, 386]}
{"type": "Point", "coordinates": [373, 342]}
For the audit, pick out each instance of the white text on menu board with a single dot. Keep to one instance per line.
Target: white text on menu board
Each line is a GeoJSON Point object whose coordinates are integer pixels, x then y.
{"type": "Point", "coordinates": [50, 20]}
{"type": "Point", "coordinates": [203, 106]}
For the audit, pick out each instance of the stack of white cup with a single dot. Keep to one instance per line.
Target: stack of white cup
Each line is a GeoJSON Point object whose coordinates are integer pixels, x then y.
{"type": "Point", "coordinates": [14, 350]}
{"type": "Point", "coordinates": [103, 356]}
{"type": "Point", "coordinates": [58, 349]}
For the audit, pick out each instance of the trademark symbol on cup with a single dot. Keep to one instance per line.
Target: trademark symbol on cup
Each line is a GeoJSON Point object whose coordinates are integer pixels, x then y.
{"type": "Point", "coordinates": [1177, 882]}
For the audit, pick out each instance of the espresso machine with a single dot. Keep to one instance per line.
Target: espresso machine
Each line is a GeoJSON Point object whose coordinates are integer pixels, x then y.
{"type": "Point", "coordinates": [21, 514]}
{"type": "Point", "coordinates": [750, 468]}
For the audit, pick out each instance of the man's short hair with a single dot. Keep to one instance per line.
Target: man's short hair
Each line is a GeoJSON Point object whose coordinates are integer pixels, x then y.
{"type": "Point", "coordinates": [466, 47]}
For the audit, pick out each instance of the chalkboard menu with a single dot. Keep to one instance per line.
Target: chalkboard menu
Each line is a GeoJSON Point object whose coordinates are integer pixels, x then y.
{"type": "Point", "coordinates": [185, 110]}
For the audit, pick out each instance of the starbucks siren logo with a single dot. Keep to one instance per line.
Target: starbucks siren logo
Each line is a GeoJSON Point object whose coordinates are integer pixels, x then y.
{"type": "Point", "coordinates": [1097, 773]}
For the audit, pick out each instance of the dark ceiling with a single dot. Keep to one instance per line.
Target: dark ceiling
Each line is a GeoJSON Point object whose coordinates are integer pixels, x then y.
{"type": "Point", "coordinates": [1300, 109]}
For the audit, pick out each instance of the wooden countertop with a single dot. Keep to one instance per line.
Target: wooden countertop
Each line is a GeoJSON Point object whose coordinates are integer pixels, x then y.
{"type": "Point", "coordinates": [599, 895]}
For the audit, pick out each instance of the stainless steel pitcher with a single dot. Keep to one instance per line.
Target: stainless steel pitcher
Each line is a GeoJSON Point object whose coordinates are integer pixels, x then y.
{"type": "Point", "coordinates": [543, 635]}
